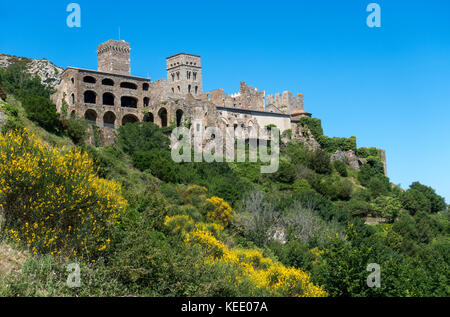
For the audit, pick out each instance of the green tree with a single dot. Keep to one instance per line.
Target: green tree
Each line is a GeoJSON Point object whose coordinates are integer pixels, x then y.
{"type": "Point", "coordinates": [437, 202]}
{"type": "Point", "coordinates": [414, 201]}
{"type": "Point", "coordinates": [387, 207]}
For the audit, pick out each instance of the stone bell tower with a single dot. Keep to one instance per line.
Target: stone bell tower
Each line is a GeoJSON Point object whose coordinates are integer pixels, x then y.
{"type": "Point", "coordinates": [184, 74]}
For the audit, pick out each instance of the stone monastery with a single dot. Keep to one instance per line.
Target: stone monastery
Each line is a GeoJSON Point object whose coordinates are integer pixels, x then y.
{"type": "Point", "coordinates": [111, 96]}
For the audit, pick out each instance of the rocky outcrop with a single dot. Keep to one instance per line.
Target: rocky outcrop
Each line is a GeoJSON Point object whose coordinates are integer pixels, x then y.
{"type": "Point", "coordinates": [49, 73]}
{"type": "Point", "coordinates": [304, 135]}
{"type": "Point", "coordinates": [101, 136]}
{"type": "Point", "coordinates": [348, 157]}
{"type": "Point", "coordinates": [2, 118]}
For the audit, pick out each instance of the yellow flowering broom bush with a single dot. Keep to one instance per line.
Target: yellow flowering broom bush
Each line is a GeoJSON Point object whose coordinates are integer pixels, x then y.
{"type": "Point", "coordinates": [183, 224]}
{"type": "Point", "coordinates": [52, 199]}
{"type": "Point", "coordinates": [263, 272]}
{"type": "Point", "coordinates": [218, 210]}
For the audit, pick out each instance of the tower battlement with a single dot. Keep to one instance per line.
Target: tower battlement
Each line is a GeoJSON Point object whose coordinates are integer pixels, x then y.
{"type": "Point", "coordinates": [114, 57]}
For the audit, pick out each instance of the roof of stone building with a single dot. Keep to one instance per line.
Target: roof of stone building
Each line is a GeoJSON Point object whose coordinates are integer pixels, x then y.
{"type": "Point", "coordinates": [108, 74]}
{"type": "Point", "coordinates": [299, 111]}
{"type": "Point", "coordinates": [183, 54]}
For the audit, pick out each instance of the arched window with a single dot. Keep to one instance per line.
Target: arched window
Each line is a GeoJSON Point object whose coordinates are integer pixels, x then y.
{"type": "Point", "coordinates": [149, 117]}
{"type": "Point", "coordinates": [107, 82]}
{"type": "Point", "coordinates": [129, 118]}
{"type": "Point", "coordinates": [128, 85]}
{"type": "Point", "coordinates": [108, 99]}
{"type": "Point", "coordinates": [129, 102]}
{"type": "Point", "coordinates": [72, 99]}
{"type": "Point", "coordinates": [90, 97]}
{"type": "Point", "coordinates": [162, 114]}
{"type": "Point", "coordinates": [91, 116]}
{"type": "Point", "coordinates": [194, 75]}
{"type": "Point", "coordinates": [196, 89]}
{"type": "Point", "coordinates": [109, 119]}
{"type": "Point", "coordinates": [145, 86]}
{"type": "Point", "coordinates": [89, 80]}
{"type": "Point", "coordinates": [146, 101]}
{"type": "Point", "coordinates": [180, 118]}
{"type": "Point", "coordinates": [189, 88]}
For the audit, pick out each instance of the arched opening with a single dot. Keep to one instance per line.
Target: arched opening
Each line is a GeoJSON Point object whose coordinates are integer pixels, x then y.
{"type": "Point", "coordinates": [107, 82]}
{"type": "Point", "coordinates": [90, 97]}
{"type": "Point", "coordinates": [180, 118]}
{"type": "Point", "coordinates": [91, 116]}
{"type": "Point", "coordinates": [129, 118]}
{"type": "Point", "coordinates": [89, 80]}
{"type": "Point", "coordinates": [129, 102]}
{"type": "Point", "coordinates": [145, 86]}
{"type": "Point", "coordinates": [72, 99]}
{"type": "Point", "coordinates": [146, 102]}
{"type": "Point", "coordinates": [73, 114]}
{"type": "Point", "coordinates": [108, 99]}
{"type": "Point", "coordinates": [109, 120]}
{"type": "Point", "coordinates": [162, 114]}
{"type": "Point", "coordinates": [128, 85]}
{"type": "Point", "coordinates": [149, 117]}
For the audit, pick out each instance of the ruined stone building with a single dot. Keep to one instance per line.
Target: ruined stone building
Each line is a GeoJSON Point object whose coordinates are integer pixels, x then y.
{"type": "Point", "coordinates": [110, 96]}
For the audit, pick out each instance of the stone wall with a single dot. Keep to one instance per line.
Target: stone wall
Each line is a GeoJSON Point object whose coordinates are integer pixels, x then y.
{"type": "Point", "coordinates": [247, 98]}
{"type": "Point", "coordinates": [286, 102]}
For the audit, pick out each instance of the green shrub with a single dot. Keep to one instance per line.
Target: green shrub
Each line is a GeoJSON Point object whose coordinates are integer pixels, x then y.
{"type": "Point", "coordinates": [301, 185]}
{"type": "Point", "coordinates": [314, 125]}
{"type": "Point", "coordinates": [76, 129]}
{"type": "Point", "coordinates": [387, 207]}
{"type": "Point", "coordinates": [379, 185]}
{"type": "Point", "coordinates": [13, 121]}
{"type": "Point", "coordinates": [319, 161]}
{"type": "Point", "coordinates": [341, 168]}
{"type": "Point", "coordinates": [42, 111]}
{"type": "Point", "coordinates": [331, 145]}
{"type": "Point", "coordinates": [365, 152]}
{"type": "Point", "coordinates": [142, 136]}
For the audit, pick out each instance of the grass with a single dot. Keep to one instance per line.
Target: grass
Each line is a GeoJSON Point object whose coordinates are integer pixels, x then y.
{"type": "Point", "coordinates": [50, 138]}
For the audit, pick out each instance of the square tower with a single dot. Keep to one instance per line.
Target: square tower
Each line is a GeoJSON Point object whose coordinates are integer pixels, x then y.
{"type": "Point", "coordinates": [114, 57]}
{"type": "Point", "coordinates": [184, 74]}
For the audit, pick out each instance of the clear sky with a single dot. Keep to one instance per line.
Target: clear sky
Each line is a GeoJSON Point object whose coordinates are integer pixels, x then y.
{"type": "Point", "coordinates": [389, 86]}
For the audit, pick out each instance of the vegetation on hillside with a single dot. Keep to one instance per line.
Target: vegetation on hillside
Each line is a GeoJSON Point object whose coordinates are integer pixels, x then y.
{"type": "Point", "coordinates": [141, 225]}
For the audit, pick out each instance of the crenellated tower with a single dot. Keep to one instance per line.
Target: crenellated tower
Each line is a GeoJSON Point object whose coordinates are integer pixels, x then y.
{"type": "Point", "coordinates": [114, 57]}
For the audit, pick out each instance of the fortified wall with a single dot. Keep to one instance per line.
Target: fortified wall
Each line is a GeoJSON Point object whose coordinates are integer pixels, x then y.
{"type": "Point", "coordinates": [110, 96]}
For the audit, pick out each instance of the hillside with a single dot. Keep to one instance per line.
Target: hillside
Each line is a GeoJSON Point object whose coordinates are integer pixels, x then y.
{"type": "Point", "coordinates": [48, 73]}
{"type": "Point", "coordinates": [141, 225]}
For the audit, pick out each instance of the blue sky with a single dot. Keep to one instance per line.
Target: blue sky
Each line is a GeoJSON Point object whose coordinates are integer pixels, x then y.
{"type": "Point", "coordinates": [389, 86]}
